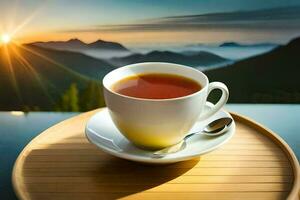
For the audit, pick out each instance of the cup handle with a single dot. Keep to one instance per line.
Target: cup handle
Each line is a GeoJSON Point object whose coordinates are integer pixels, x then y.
{"type": "Point", "coordinates": [222, 101]}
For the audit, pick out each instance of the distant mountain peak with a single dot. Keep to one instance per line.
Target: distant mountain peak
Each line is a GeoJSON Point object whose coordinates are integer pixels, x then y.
{"type": "Point", "coordinates": [230, 44]}
{"type": "Point", "coordinates": [102, 44]}
{"type": "Point", "coordinates": [75, 40]}
{"type": "Point", "coordinates": [74, 44]}
{"type": "Point", "coordinates": [100, 41]}
{"type": "Point", "coordinates": [236, 44]}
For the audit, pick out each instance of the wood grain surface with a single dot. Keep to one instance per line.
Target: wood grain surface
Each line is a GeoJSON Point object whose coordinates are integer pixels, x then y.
{"type": "Point", "coordinates": [61, 164]}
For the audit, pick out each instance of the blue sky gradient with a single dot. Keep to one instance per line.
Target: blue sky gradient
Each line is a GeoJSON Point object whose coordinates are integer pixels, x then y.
{"type": "Point", "coordinates": [90, 19]}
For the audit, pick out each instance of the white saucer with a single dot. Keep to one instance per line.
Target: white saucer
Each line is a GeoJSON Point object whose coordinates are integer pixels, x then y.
{"type": "Point", "coordinates": [101, 131]}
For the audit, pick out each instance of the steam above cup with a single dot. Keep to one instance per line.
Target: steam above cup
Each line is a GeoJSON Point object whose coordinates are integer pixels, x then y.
{"type": "Point", "coordinates": [158, 123]}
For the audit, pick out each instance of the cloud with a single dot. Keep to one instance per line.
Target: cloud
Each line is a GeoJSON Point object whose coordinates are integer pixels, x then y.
{"type": "Point", "coordinates": [268, 19]}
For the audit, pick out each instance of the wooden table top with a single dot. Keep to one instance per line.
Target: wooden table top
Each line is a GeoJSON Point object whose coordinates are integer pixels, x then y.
{"type": "Point", "coordinates": [60, 163]}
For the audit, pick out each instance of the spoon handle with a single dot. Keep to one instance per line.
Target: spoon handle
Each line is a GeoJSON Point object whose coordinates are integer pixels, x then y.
{"type": "Point", "coordinates": [169, 150]}
{"type": "Point", "coordinates": [191, 134]}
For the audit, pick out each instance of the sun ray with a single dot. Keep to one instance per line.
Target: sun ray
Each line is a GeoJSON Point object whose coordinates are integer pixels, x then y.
{"type": "Point", "coordinates": [12, 73]}
{"type": "Point", "coordinates": [28, 66]}
{"type": "Point", "coordinates": [54, 62]}
{"type": "Point", "coordinates": [28, 19]}
{"type": "Point", "coordinates": [24, 23]}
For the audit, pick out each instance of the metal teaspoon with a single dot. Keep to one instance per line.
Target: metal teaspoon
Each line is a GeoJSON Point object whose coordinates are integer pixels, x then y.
{"type": "Point", "coordinates": [214, 128]}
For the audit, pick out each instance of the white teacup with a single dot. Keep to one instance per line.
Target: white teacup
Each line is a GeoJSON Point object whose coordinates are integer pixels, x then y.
{"type": "Point", "coordinates": [158, 123]}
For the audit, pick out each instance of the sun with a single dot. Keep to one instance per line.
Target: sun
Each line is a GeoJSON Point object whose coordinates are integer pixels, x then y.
{"type": "Point", "coordinates": [5, 38]}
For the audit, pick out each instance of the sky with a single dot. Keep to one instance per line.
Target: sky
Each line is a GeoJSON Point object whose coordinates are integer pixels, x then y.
{"type": "Point", "coordinates": [144, 22]}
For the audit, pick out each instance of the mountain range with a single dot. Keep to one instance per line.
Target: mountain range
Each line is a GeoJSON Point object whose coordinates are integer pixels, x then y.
{"type": "Point", "coordinates": [35, 76]}
{"type": "Point", "coordinates": [76, 45]}
{"type": "Point", "coordinates": [234, 44]}
{"type": "Point", "coordinates": [272, 77]}
{"type": "Point", "coordinates": [199, 58]}
{"type": "Point", "coordinates": [194, 60]}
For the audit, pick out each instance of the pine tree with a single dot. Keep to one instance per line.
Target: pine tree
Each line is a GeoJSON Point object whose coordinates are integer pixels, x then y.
{"type": "Point", "coordinates": [74, 101]}
{"type": "Point", "coordinates": [69, 100]}
{"type": "Point", "coordinates": [92, 97]}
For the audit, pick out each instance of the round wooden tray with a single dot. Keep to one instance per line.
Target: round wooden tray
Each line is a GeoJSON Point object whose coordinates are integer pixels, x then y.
{"type": "Point", "coordinates": [60, 163]}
